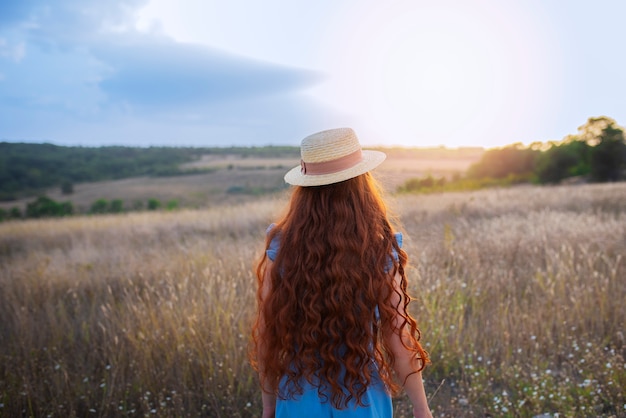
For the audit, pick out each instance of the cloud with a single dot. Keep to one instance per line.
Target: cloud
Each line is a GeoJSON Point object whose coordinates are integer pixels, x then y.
{"type": "Point", "coordinates": [155, 72]}
{"type": "Point", "coordinates": [64, 19]}
{"type": "Point", "coordinates": [76, 69]}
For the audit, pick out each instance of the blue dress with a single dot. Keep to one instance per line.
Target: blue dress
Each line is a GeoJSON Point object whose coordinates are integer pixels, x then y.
{"type": "Point", "coordinates": [376, 400]}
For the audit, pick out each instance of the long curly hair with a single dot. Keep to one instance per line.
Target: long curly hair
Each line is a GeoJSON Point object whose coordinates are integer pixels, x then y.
{"type": "Point", "coordinates": [330, 298]}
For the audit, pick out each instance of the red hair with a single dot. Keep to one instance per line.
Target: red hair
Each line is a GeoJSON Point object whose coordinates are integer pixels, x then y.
{"type": "Point", "coordinates": [330, 300]}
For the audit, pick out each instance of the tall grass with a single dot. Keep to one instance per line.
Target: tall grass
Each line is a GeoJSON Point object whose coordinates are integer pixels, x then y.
{"type": "Point", "coordinates": [519, 294]}
{"type": "Point", "coordinates": [521, 299]}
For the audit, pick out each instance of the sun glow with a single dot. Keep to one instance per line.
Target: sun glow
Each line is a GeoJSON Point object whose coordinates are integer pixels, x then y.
{"type": "Point", "coordinates": [415, 81]}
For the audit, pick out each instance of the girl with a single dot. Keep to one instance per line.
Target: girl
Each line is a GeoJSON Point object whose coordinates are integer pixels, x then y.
{"type": "Point", "coordinates": [332, 327]}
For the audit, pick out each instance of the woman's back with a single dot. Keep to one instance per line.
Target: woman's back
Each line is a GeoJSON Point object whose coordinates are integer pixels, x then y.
{"type": "Point", "coordinates": [332, 288]}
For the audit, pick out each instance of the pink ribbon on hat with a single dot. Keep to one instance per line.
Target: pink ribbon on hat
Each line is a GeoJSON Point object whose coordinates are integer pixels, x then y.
{"type": "Point", "coordinates": [332, 166]}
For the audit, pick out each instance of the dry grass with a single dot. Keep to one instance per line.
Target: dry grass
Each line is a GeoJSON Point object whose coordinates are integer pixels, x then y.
{"type": "Point", "coordinates": [521, 298]}
{"type": "Point", "coordinates": [519, 292]}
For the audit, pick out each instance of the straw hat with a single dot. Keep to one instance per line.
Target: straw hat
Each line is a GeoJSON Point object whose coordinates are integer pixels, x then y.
{"type": "Point", "coordinates": [330, 157]}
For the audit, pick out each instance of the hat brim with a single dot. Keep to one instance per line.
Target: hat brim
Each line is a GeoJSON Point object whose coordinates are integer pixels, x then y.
{"type": "Point", "coordinates": [371, 159]}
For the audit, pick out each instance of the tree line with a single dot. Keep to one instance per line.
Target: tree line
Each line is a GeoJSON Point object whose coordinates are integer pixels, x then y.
{"type": "Point", "coordinates": [45, 207]}
{"type": "Point", "coordinates": [597, 153]}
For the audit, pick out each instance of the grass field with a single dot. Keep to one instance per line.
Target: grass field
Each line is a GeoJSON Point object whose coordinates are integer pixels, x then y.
{"type": "Point", "coordinates": [519, 294]}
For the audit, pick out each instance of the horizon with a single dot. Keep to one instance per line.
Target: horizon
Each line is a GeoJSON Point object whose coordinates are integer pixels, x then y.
{"type": "Point", "coordinates": [226, 146]}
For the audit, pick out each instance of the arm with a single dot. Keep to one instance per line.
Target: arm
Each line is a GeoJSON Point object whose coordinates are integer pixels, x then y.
{"type": "Point", "coordinates": [405, 361]}
{"type": "Point", "coordinates": [269, 405]}
{"type": "Point", "coordinates": [267, 395]}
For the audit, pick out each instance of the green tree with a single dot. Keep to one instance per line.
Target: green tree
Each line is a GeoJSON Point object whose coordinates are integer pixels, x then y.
{"type": "Point", "coordinates": [608, 157]}
{"type": "Point", "coordinates": [154, 204]}
{"type": "Point", "coordinates": [99, 206]}
{"type": "Point", "coordinates": [15, 213]}
{"type": "Point", "coordinates": [570, 158]}
{"type": "Point", "coordinates": [172, 204]}
{"type": "Point", "coordinates": [116, 206]}
{"type": "Point", "coordinates": [592, 131]}
{"type": "Point", "coordinates": [44, 207]}
{"type": "Point", "coordinates": [500, 163]}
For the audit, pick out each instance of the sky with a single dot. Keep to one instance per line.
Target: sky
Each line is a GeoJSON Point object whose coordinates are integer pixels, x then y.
{"type": "Point", "coordinates": [409, 73]}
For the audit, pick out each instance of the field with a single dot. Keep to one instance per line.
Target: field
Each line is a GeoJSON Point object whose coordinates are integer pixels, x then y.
{"type": "Point", "coordinates": [519, 294]}
{"type": "Point", "coordinates": [240, 178]}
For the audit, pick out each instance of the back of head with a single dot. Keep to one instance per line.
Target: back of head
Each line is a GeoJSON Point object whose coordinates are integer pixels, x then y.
{"type": "Point", "coordinates": [337, 214]}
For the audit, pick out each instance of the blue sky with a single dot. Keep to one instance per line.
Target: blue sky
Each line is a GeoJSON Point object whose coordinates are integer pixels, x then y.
{"type": "Point", "coordinates": [402, 72]}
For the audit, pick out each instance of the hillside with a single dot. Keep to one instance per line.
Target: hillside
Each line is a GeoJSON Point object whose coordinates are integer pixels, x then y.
{"type": "Point", "coordinates": [29, 169]}
{"type": "Point", "coordinates": [194, 177]}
